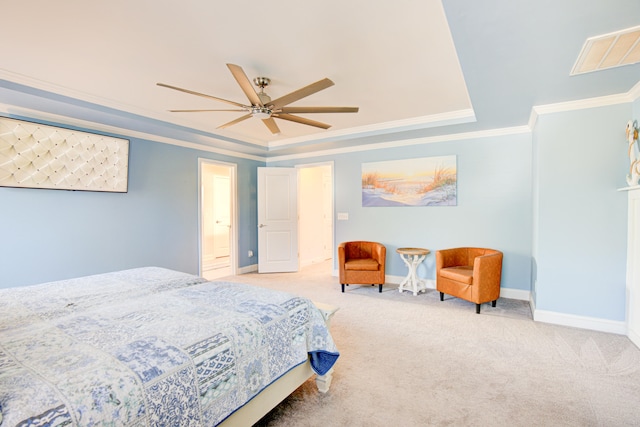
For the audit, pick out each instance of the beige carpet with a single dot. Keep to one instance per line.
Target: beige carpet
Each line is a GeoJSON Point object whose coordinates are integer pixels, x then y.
{"type": "Point", "coordinates": [415, 361]}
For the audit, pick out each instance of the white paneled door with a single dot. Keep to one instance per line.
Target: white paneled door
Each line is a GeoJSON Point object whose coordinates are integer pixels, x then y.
{"type": "Point", "coordinates": [277, 220]}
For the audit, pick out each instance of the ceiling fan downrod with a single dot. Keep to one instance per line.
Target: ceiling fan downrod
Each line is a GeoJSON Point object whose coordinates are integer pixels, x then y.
{"type": "Point", "coordinates": [262, 82]}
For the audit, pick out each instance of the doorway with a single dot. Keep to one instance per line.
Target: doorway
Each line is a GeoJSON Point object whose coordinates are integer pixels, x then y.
{"type": "Point", "coordinates": [316, 213]}
{"type": "Point", "coordinates": [217, 195]}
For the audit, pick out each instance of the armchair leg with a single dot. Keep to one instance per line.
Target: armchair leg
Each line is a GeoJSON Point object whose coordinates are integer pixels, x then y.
{"type": "Point", "coordinates": [493, 303]}
{"type": "Point", "coordinates": [441, 296]}
{"type": "Point", "coordinates": [478, 308]}
{"type": "Point", "coordinates": [380, 288]}
{"type": "Point", "coordinates": [342, 287]}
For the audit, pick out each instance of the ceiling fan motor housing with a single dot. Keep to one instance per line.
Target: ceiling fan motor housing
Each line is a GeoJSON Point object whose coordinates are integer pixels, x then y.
{"type": "Point", "coordinates": [260, 112]}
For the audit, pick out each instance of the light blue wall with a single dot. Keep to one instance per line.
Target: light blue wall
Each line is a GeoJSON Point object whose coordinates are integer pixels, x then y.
{"type": "Point", "coordinates": [534, 228]}
{"type": "Point", "coordinates": [494, 204]}
{"type": "Point", "coordinates": [547, 199]}
{"type": "Point", "coordinates": [53, 234]}
{"type": "Point", "coordinates": [581, 218]}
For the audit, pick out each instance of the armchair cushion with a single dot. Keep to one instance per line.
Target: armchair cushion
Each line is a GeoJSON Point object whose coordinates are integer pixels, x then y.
{"type": "Point", "coordinates": [462, 274]}
{"type": "Point", "coordinates": [365, 264]}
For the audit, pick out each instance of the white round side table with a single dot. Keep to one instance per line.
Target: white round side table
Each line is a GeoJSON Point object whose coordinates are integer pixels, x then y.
{"type": "Point", "coordinates": [412, 257]}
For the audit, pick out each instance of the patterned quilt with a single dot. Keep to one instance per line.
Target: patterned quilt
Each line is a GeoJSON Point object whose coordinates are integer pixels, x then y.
{"type": "Point", "coordinates": [148, 347]}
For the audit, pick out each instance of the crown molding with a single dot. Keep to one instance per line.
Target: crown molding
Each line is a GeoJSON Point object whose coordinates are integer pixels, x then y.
{"type": "Point", "coordinates": [581, 104]}
{"type": "Point", "coordinates": [108, 103]}
{"type": "Point", "coordinates": [409, 142]}
{"type": "Point", "coordinates": [13, 111]}
{"type": "Point", "coordinates": [423, 122]}
{"type": "Point", "coordinates": [435, 120]}
{"type": "Point", "coordinates": [634, 93]}
{"type": "Point", "coordinates": [630, 96]}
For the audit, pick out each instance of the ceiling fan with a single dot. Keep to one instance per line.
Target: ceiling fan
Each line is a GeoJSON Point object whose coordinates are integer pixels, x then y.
{"type": "Point", "coordinates": [261, 106]}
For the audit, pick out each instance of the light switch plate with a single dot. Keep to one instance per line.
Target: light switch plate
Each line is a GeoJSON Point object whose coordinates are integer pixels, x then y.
{"type": "Point", "coordinates": [343, 216]}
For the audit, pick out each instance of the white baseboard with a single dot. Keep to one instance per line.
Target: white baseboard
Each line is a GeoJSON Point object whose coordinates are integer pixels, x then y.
{"type": "Point", "coordinates": [396, 280]}
{"type": "Point", "coordinates": [583, 322]}
{"type": "Point", "coordinates": [248, 269]}
{"type": "Point", "coordinates": [635, 338]}
{"type": "Point", "coordinates": [518, 294]}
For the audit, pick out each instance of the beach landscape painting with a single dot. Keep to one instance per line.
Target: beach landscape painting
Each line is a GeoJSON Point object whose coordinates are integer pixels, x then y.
{"type": "Point", "coordinates": [427, 181]}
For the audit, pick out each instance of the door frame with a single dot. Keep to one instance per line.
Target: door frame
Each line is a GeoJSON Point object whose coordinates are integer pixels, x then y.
{"type": "Point", "coordinates": [233, 232]}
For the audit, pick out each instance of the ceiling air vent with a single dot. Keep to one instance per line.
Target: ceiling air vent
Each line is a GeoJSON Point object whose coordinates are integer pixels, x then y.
{"type": "Point", "coordinates": [608, 51]}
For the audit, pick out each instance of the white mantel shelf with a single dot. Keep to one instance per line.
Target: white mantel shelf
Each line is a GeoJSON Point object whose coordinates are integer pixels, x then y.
{"type": "Point", "coordinates": [633, 187]}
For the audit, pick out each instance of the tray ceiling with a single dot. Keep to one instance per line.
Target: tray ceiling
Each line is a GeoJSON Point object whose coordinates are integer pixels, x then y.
{"type": "Point", "coordinates": [412, 67]}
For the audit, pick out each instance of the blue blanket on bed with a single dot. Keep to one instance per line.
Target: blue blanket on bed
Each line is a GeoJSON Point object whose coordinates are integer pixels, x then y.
{"type": "Point", "coordinates": [148, 347]}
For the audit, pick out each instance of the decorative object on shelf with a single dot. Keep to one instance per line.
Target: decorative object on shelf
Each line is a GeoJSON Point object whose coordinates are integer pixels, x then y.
{"type": "Point", "coordinates": [633, 152]}
{"type": "Point", "coordinates": [34, 155]}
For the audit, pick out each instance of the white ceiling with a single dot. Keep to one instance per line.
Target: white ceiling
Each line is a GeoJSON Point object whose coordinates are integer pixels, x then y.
{"type": "Point", "coordinates": [412, 67]}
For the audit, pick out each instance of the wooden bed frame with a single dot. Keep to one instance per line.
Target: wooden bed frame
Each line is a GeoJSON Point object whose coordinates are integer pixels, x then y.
{"type": "Point", "coordinates": [275, 393]}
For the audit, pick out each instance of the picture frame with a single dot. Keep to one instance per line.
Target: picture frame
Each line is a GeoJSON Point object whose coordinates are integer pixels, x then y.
{"type": "Point", "coordinates": [34, 155]}
{"type": "Point", "coordinates": [426, 181]}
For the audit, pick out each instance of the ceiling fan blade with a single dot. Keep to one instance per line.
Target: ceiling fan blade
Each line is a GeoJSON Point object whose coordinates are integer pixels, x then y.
{"type": "Point", "coordinates": [245, 84]}
{"type": "Point", "coordinates": [233, 122]}
{"type": "Point", "coordinates": [301, 93]}
{"type": "Point", "coordinates": [271, 124]}
{"type": "Point", "coordinates": [302, 120]}
{"type": "Point", "coordinates": [237, 104]}
{"type": "Point", "coordinates": [201, 111]}
{"type": "Point", "coordinates": [319, 109]}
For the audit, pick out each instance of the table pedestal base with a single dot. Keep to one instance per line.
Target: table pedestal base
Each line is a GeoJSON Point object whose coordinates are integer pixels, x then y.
{"type": "Point", "coordinates": [412, 258]}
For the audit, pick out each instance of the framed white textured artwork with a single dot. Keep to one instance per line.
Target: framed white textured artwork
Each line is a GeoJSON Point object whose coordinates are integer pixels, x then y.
{"type": "Point", "coordinates": [426, 181]}
{"type": "Point", "coordinates": [34, 155]}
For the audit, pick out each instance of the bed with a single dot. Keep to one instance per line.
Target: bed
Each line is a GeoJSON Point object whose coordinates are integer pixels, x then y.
{"type": "Point", "coordinates": [155, 347]}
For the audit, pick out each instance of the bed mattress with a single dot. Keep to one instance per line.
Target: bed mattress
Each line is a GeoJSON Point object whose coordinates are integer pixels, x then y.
{"type": "Point", "coordinates": [148, 346]}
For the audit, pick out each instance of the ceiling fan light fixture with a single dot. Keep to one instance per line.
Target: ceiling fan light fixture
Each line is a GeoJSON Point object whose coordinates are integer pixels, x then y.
{"type": "Point", "coordinates": [260, 112]}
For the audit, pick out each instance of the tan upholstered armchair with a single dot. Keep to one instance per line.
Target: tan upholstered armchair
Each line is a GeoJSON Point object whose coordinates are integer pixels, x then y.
{"type": "Point", "coordinates": [472, 274]}
{"type": "Point", "coordinates": [361, 263]}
